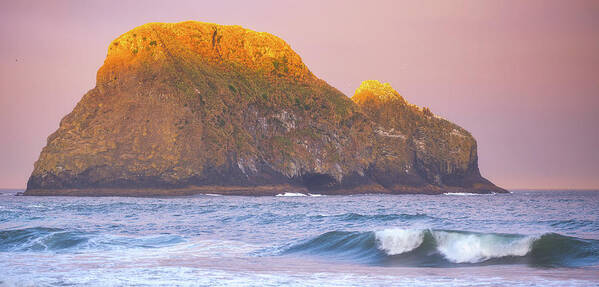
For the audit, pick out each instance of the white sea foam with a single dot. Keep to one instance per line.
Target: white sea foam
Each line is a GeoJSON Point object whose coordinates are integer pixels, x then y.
{"type": "Point", "coordinates": [212, 194]}
{"type": "Point", "coordinates": [474, 248]}
{"type": "Point", "coordinates": [456, 247]}
{"type": "Point", "coordinates": [461, 193]}
{"type": "Point", "coordinates": [398, 241]}
{"type": "Point", "coordinates": [291, 194]}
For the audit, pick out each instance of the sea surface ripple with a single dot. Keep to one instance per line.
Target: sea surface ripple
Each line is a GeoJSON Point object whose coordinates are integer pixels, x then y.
{"type": "Point", "coordinates": [527, 238]}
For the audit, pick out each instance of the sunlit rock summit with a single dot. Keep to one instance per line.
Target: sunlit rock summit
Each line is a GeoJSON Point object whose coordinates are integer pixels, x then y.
{"type": "Point", "coordinates": [203, 108]}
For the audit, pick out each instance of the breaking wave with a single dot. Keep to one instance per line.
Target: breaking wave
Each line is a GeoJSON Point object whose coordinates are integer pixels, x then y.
{"type": "Point", "coordinates": [445, 248]}
{"type": "Point", "coordinates": [292, 194]}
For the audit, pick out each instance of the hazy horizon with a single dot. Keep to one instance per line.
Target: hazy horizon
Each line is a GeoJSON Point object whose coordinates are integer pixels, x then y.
{"type": "Point", "coordinates": [522, 77]}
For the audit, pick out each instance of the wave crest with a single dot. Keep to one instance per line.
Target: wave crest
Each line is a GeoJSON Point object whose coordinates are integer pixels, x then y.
{"type": "Point", "coordinates": [474, 248]}
{"type": "Point", "coordinates": [398, 241]}
{"type": "Point", "coordinates": [441, 248]}
{"type": "Point", "coordinates": [56, 239]}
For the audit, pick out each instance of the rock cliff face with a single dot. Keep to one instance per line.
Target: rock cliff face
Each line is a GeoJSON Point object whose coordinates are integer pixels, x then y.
{"type": "Point", "coordinates": [195, 107]}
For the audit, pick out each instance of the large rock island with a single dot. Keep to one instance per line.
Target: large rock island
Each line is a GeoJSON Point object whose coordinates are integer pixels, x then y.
{"type": "Point", "coordinates": [195, 107]}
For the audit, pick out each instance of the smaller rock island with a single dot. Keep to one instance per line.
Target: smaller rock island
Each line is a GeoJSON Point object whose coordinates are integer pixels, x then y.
{"type": "Point", "coordinates": [193, 107]}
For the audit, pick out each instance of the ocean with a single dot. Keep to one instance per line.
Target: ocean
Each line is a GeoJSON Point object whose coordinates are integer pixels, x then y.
{"type": "Point", "coordinates": [526, 238]}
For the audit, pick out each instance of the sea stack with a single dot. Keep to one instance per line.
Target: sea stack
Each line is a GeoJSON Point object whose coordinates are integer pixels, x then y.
{"type": "Point", "coordinates": [195, 107]}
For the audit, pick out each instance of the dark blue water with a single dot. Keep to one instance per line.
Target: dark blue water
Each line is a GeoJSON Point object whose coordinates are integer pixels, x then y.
{"type": "Point", "coordinates": [527, 238]}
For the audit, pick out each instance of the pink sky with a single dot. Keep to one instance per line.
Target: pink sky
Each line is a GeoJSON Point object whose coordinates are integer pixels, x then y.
{"type": "Point", "coordinates": [521, 76]}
